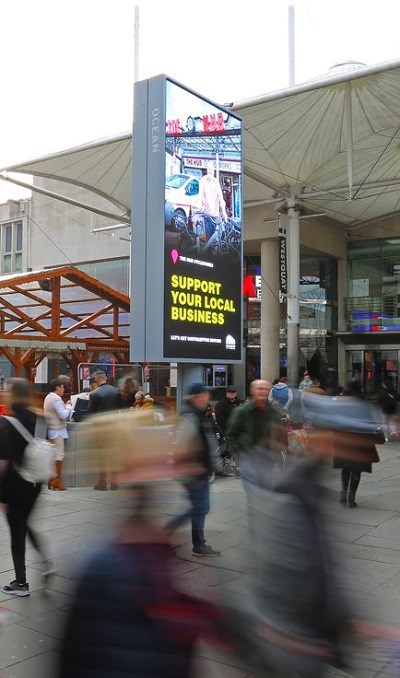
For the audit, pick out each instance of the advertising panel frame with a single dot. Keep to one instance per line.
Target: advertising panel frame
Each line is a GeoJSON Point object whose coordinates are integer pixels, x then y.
{"type": "Point", "coordinates": [149, 261]}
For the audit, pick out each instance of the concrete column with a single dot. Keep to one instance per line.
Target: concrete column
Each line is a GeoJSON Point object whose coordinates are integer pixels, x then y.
{"type": "Point", "coordinates": [342, 325]}
{"type": "Point", "coordinates": [270, 309]}
{"type": "Point", "coordinates": [293, 307]}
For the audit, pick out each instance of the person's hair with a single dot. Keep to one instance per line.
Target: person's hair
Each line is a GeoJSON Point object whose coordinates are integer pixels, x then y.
{"type": "Point", "coordinates": [127, 385]}
{"type": "Point", "coordinates": [20, 392]}
{"type": "Point", "coordinates": [66, 380]}
{"type": "Point", "coordinates": [100, 374]}
{"type": "Point", "coordinates": [56, 382]}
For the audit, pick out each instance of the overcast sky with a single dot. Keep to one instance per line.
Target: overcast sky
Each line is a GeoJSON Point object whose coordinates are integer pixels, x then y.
{"type": "Point", "coordinates": [67, 68]}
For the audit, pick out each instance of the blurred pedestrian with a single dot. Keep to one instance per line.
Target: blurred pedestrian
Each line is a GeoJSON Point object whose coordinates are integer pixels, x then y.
{"type": "Point", "coordinates": [355, 451]}
{"type": "Point", "coordinates": [255, 433]}
{"type": "Point", "coordinates": [128, 388]}
{"type": "Point", "coordinates": [388, 402]}
{"type": "Point", "coordinates": [57, 413]}
{"type": "Point", "coordinates": [301, 616]}
{"type": "Point", "coordinates": [305, 381]}
{"type": "Point", "coordinates": [104, 398]}
{"type": "Point", "coordinates": [17, 495]}
{"type": "Point", "coordinates": [128, 617]}
{"type": "Point", "coordinates": [148, 402]}
{"type": "Point", "coordinates": [193, 426]}
{"type": "Point", "coordinates": [139, 400]}
{"type": "Point", "coordinates": [315, 387]}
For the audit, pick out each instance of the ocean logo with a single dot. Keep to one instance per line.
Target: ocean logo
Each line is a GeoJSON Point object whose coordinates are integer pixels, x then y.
{"type": "Point", "coordinates": [230, 342]}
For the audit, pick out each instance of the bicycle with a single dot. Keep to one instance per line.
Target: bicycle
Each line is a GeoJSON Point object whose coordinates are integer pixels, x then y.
{"type": "Point", "coordinates": [212, 235]}
{"type": "Point", "coordinates": [224, 466]}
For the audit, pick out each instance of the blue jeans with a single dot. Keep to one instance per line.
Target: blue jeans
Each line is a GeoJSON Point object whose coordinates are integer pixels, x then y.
{"type": "Point", "coordinates": [199, 496]}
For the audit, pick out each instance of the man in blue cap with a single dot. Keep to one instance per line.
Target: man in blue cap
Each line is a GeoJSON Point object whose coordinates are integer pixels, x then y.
{"type": "Point", "coordinates": [197, 487]}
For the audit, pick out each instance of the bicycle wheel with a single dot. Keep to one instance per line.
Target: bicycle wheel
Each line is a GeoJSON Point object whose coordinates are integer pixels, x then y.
{"type": "Point", "coordinates": [227, 467]}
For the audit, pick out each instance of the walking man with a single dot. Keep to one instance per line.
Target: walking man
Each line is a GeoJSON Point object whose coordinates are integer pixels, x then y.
{"type": "Point", "coordinates": [194, 422]}
{"type": "Point", "coordinates": [256, 433]}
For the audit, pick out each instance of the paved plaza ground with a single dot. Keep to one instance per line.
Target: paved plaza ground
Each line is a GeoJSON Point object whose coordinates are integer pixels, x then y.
{"type": "Point", "coordinates": [76, 521]}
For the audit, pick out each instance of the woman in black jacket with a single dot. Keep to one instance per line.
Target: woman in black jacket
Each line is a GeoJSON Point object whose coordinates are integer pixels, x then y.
{"type": "Point", "coordinates": [355, 452]}
{"type": "Point", "coordinates": [18, 495]}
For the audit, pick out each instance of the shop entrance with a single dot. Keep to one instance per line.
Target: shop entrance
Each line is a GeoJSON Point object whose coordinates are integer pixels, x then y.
{"type": "Point", "coordinates": [372, 365]}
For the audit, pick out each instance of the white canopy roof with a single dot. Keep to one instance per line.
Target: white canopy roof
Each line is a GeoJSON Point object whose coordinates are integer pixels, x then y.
{"type": "Point", "coordinates": [333, 144]}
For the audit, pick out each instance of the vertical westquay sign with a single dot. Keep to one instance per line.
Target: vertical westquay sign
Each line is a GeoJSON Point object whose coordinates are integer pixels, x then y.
{"type": "Point", "coordinates": [187, 267]}
{"type": "Point", "coordinates": [283, 278]}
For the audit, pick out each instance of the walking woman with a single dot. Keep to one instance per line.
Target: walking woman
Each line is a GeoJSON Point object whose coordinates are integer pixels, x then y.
{"type": "Point", "coordinates": [355, 451]}
{"type": "Point", "coordinates": [16, 494]}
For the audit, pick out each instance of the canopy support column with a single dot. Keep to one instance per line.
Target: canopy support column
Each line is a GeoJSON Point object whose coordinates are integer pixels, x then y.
{"type": "Point", "coordinates": [348, 113]}
{"type": "Point", "coordinates": [293, 305]}
{"type": "Point", "coordinates": [270, 309]}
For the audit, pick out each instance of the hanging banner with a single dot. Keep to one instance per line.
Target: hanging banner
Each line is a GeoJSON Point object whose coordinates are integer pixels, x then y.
{"type": "Point", "coordinates": [283, 282]}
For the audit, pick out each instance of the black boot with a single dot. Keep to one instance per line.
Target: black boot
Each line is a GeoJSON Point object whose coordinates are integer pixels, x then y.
{"type": "Point", "coordinates": [354, 483]}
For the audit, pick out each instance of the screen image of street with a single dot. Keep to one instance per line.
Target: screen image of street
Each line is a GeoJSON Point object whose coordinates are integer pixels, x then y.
{"type": "Point", "coordinates": [203, 228]}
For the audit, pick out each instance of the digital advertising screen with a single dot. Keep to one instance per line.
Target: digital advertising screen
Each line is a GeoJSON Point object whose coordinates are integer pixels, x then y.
{"type": "Point", "coordinates": [203, 230]}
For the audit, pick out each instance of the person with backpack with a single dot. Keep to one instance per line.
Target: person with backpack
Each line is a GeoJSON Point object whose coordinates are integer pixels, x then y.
{"type": "Point", "coordinates": [281, 394]}
{"type": "Point", "coordinates": [18, 495]}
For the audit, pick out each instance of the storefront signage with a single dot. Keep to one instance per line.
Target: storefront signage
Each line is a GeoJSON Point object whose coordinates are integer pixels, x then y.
{"type": "Point", "coordinates": [224, 165]}
{"type": "Point", "coordinates": [252, 286]}
{"type": "Point", "coordinates": [282, 268]}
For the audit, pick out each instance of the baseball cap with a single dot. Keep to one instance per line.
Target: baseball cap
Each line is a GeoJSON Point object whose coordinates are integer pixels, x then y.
{"type": "Point", "coordinates": [196, 388]}
{"type": "Point", "coordinates": [231, 388]}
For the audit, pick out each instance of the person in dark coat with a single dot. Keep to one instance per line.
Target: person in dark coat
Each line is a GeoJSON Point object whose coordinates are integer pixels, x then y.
{"type": "Point", "coordinates": [128, 389]}
{"type": "Point", "coordinates": [224, 408]}
{"type": "Point", "coordinates": [355, 451]}
{"type": "Point", "coordinates": [18, 495]}
{"type": "Point", "coordinates": [300, 612]}
{"type": "Point", "coordinates": [104, 399]}
{"type": "Point", "coordinates": [80, 405]}
{"type": "Point", "coordinates": [194, 424]}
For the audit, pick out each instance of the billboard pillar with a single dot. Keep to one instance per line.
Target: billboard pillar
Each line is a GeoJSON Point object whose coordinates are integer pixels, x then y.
{"type": "Point", "coordinates": [186, 251]}
{"type": "Point", "coordinates": [270, 309]}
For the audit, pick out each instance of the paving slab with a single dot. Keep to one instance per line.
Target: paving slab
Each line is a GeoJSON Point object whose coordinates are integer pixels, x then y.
{"type": "Point", "coordinates": [43, 665]}
{"type": "Point", "coordinates": [19, 643]}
